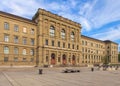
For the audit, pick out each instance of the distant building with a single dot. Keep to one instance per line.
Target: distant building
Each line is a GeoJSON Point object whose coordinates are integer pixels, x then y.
{"type": "Point", "coordinates": [49, 39]}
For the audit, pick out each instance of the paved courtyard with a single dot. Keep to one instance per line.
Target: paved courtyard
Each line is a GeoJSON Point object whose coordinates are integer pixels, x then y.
{"type": "Point", "coordinates": [55, 77]}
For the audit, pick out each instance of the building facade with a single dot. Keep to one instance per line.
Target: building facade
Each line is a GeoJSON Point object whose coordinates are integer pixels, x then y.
{"type": "Point", "coordinates": [49, 39]}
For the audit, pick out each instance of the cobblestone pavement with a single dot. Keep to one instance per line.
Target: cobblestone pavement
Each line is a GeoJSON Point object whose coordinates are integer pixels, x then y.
{"type": "Point", "coordinates": [55, 77]}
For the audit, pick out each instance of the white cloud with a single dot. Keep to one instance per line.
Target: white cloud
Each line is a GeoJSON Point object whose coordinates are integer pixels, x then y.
{"type": "Point", "coordinates": [111, 34]}
{"type": "Point", "coordinates": [91, 14]}
{"type": "Point", "coordinates": [108, 11]}
{"type": "Point", "coordinates": [21, 7]}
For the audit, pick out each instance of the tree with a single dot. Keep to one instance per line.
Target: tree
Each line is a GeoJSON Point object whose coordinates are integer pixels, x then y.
{"type": "Point", "coordinates": [119, 57]}
{"type": "Point", "coordinates": [105, 60]}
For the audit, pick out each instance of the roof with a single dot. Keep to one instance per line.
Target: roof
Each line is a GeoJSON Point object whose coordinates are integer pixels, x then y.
{"type": "Point", "coordinates": [105, 41]}
{"type": "Point", "coordinates": [48, 13]}
{"type": "Point", "coordinates": [18, 17]}
{"type": "Point", "coordinates": [91, 38]}
{"type": "Point", "coordinates": [109, 41]}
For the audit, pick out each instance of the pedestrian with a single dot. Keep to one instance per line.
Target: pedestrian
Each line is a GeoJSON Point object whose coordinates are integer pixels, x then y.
{"type": "Point", "coordinates": [92, 69]}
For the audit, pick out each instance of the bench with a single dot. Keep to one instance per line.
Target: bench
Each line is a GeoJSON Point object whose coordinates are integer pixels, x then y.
{"type": "Point", "coordinates": [71, 70]}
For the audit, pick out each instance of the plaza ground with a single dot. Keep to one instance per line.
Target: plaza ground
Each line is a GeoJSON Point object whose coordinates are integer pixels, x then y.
{"type": "Point", "coordinates": [55, 77]}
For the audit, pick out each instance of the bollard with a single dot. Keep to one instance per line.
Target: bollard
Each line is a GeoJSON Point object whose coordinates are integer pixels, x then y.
{"type": "Point", "coordinates": [40, 71]}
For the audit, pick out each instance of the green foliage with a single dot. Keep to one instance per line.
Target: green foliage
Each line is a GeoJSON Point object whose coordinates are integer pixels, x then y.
{"type": "Point", "coordinates": [119, 57]}
{"type": "Point", "coordinates": [105, 60]}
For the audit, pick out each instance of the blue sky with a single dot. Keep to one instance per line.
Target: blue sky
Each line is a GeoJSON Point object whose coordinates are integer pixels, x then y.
{"type": "Point", "coordinates": [99, 18]}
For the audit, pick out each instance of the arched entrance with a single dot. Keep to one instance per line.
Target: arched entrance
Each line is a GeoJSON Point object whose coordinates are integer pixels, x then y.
{"type": "Point", "coordinates": [64, 59]}
{"type": "Point", "coordinates": [53, 59]}
{"type": "Point", "coordinates": [73, 59]}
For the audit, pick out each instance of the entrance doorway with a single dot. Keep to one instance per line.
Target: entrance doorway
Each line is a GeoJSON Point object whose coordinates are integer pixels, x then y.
{"type": "Point", "coordinates": [64, 59]}
{"type": "Point", "coordinates": [53, 59]}
{"type": "Point", "coordinates": [73, 59]}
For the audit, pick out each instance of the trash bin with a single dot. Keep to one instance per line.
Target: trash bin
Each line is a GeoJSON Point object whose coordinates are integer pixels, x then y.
{"type": "Point", "coordinates": [40, 71]}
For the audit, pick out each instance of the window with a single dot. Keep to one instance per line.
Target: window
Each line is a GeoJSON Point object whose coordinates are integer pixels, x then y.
{"type": "Point", "coordinates": [24, 52]}
{"type": "Point", "coordinates": [6, 26]}
{"type": "Point", "coordinates": [15, 50]}
{"type": "Point", "coordinates": [15, 39]}
{"type": "Point", "coordinates": [6, 50]}
{"type": "Point", "coordinates": [32, 52]}
{"type": "Point", "coordinates": [63, 34]}
{"type": "Point", "coordinates": [77, 47]}
{"type": "Point", "coordinates": [58, 44]}
{"type": "Point", "coordinates": [6, 38]}
{"type": "Point", "coordinates": [82, 49]}
{"type": "Point", "coordinates": [72, 36]}
{"type": "Point", "coordinates": [85, 42]}
{"type": "Point", "coordinates": [82, 42]}
{"type": "Point", "coordinates": [15, 59]}
{"type": "Point", "coordinates": [92, 44]}
{"type": "Point", "coordinates": [47, 59]}
{"type": "Point", "coordinates": [52, 31]}
{"type": "Point", "coordinates": [5, 59]}
{"type": "Point", "coordinates": [16, 28]}
{"type": "Point", "coordinates": [73, 46]}
{"type": "Point", "coordinates": [32, 31]}
{"type": "Point", "coordinates": [24, 59]}
{"type": "Point", "coordinates": [32, 41]}
{"type": "Point", "coordinates": [58, 59]}
{"type": "Point", "coordinates": [52, 43]}
{"type": "Point", "coordinates": [32, 59]}
{"type": "Point", "coordinates": [69, 45]}
{"type": "Point", "coordinates": [46, 42]}
{"type": "Point", "coordinates": [63, 45]}
{"type": "Point", "coordinates": [24, 30]}
{"type": "Point", "coordinates": [24, 40]}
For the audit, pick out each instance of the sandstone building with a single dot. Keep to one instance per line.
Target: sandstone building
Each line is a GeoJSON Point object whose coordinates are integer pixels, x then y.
{"type": "Point", "coordinates": [49, 39]}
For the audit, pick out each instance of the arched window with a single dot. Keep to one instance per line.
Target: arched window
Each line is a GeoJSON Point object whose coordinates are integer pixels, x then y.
{"type": "Point", "coordinates": [6, 50]}
{"type": "Point", "coordinates": [72, 36]}
{"type": "Point", "coordinates": [63, 34]}
{"type": "Point", "coordinates": [52, 31]}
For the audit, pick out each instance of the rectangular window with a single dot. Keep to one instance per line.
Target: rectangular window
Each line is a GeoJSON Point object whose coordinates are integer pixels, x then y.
{"type": "Point", "coordinates": [82, 42]}
{"type": "Point", "coordinates": [69, 45]}
{"type": "Point", "coordinates": [16, 28]}
{"type": "Point", "coordinates": [92, 44]}
{"type": "Point", "coordinates": [63, 45]}
{"type": "Point", "coordinates": [52, 43]}
{"type": "Point", "coordinates": [5, 59]}
{"type": "Point", "coordinates": [77, 47]}
{"type": "Point", "coordinates": [46, 42]}
{"type": "Point", "coordinates": [24, 59]}
{"type": "Point", "coordinates": [15, 59]}
{"type": "Point", "coordinates": [32, 31]}
{"type": "Point", "coordinates": [15, 39]}
{"type": "Point", "coordinates": [6, 26]}
{"type": "Point", "coordinates": [47, 59]}
{"type": "Point", "coordinates": [6, 38]}
{"type": "Point", "coordinates": [85, 42]}
{"type": "Point", "coordinates": [59, 59]}
{"type": "Point", "coordinates": [24, 52]}
{"type": "Point", "coordinates": [82, 49]}
{"type": "Point", "coordinates": [6, 50]}
{"type": "Point", "coordinates": [24, 40]}
{"type": "Point", "coordinates": [32, 41]}
{"type": "Point", "coordinates": [73, 46]}
{"type": "Point", "coordinates": [32, 52]}
{"type": "Point", "coordinates": [24, 30]}
{"type": "Point", "coordinates": [58, 44]}
{"type": "Point", "coordinates": [32, 59]}
{"type": "Point", "coordinates": [15, 50]}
